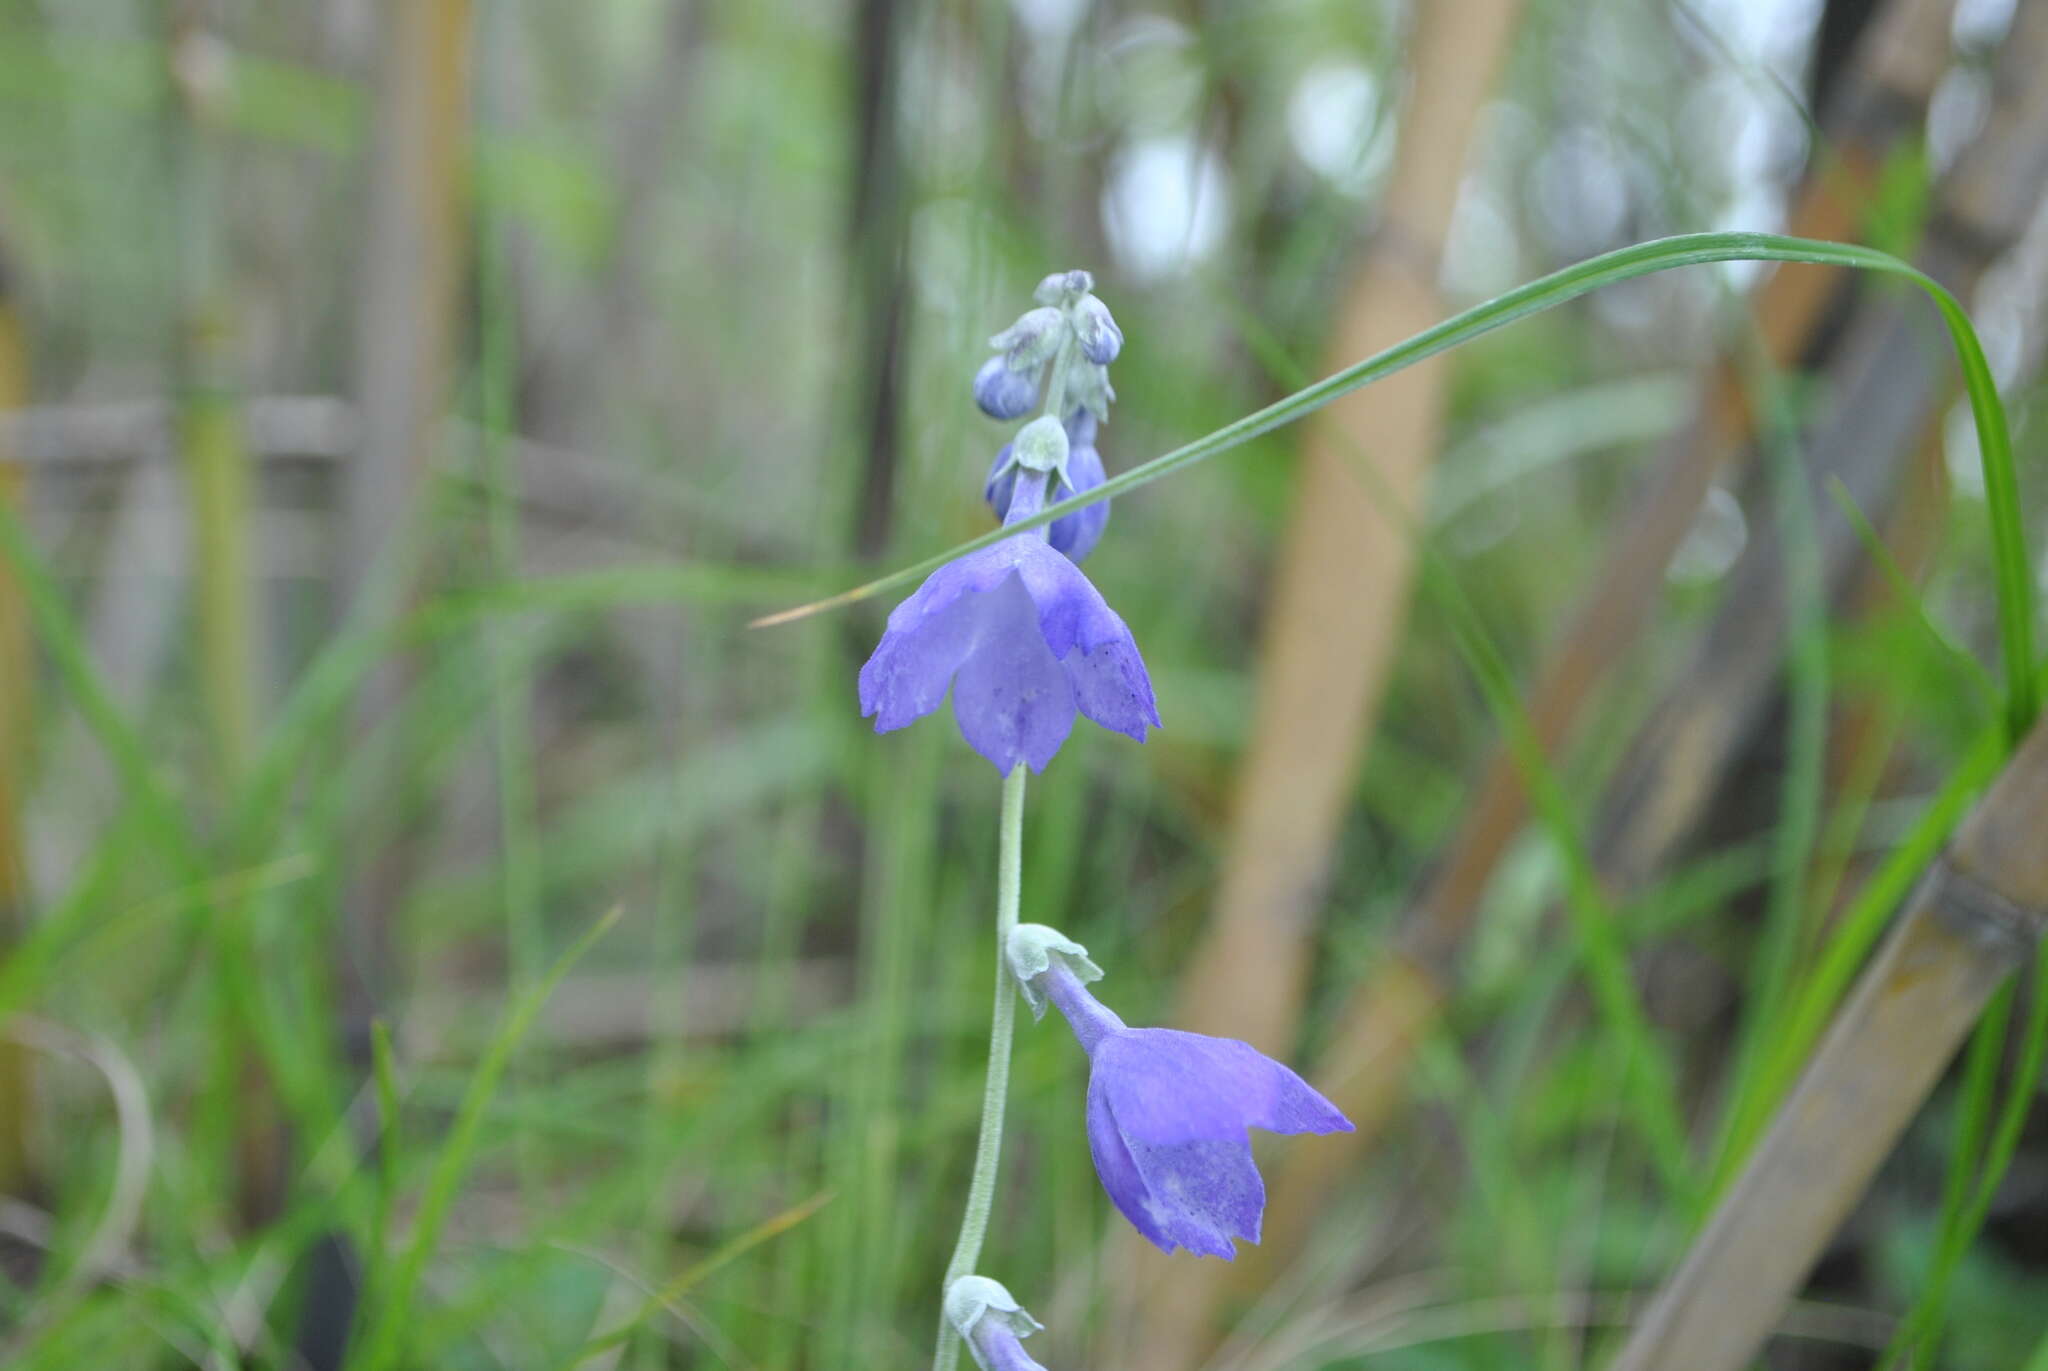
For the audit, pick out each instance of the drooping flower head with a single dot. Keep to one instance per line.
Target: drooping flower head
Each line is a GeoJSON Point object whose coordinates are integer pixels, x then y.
{"type": "Point", "coordinates": [1169, 1112]}
{"type": "Point", "coordinates": [1018, 634]}
{"type": "Point", "coordinates": [992, 1323]}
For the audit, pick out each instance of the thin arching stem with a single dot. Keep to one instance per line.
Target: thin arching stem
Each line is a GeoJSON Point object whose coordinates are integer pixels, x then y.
{"type": "Point", "coordinates": [988, 1152]}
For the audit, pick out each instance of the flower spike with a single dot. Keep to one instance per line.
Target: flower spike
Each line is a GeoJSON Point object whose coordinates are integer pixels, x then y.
{"type": "Point", "coordinates": [1018, 635]}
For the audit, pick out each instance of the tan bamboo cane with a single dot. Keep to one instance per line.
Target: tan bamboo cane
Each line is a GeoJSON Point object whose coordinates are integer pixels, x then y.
{"type": "Point", "coordinates": [1974, 920]}
{"type": "Point", "coordinates": [1337, 609]}
{"type": "Point", "coordinates": [412, 273]}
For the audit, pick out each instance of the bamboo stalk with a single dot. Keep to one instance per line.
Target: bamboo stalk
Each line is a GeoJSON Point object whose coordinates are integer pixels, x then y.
{"type": "Point", "coordinates": [1975, 919]}
{"type": "Point", "coordinates": [405, 362]}
{"type": "Point", "coordinates": [1328, 647]}
{"type": "Point", "coordinates": [1882, 108]}
{"type": "Point", "coordinates": [218, 471]}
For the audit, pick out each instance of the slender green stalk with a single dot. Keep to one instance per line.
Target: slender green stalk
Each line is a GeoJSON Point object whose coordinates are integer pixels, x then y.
{"type": "Point", "coordinates": [988, 1152]}
{"type": "Point", "coordinates": [497, 375]}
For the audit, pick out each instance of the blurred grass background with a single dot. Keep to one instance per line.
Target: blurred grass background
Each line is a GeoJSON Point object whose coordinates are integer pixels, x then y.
{"type": "Point", "coordinates": [410, 403]}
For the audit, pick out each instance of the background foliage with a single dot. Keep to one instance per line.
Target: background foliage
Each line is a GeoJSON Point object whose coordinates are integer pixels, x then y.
{"type": "Point", "coordinates": [383, 530]}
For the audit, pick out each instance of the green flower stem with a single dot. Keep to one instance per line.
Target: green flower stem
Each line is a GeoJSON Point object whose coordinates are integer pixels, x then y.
{"type": "Point", "coordinates": [988, 1152]}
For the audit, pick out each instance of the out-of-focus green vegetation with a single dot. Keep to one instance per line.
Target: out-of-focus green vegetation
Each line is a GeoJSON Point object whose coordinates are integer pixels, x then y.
{"type": "Point", "coordinates": [452, 938]}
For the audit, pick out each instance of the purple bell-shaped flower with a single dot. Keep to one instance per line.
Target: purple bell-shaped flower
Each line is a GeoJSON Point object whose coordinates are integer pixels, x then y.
{"type": "Point", "coordinates": [1023, 639]}
{"type": "Point", "coordinates": [1169, 1113]}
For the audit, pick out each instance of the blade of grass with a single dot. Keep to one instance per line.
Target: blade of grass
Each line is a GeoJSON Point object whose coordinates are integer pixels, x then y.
{"type": "Point", "coordinates": [690, 1276]}
{"type": "Point", "coordinates": [384, 1339]}
{"type": "Point", "coordinates": [2015, 587]}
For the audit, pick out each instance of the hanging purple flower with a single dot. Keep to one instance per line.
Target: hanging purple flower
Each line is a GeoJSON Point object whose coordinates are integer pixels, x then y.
{"type": "Point", "coordinates": [1022, 638]}
{"type": "Point", "coordinates": [992, 1322]}
{"type": "Point", "coordinates": [1076, 534]}
{"type": "Point", "coordinates": [1004, 393]}
{"type": "Point", "coordinates": [1169, 1112]}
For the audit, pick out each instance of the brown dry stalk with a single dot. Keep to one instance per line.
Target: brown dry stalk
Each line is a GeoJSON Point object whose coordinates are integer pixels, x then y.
{"type": "Point", "coordinates": [411, 267]}
{"type": "Point", "coordinates": [1901, 60]}
{"type": "Point", "coordinates": [412, 272]}
{"type": "Point", "coordinates": [1974, 920]}
{"type": "Point", "coordinates": [1337, 609]}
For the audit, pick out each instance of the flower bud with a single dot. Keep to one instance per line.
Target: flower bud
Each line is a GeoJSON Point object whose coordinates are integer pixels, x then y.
{"type": "Point", "coordinates": [1101, 339]}
{"type": "Point", "coordinates": [1031, 951]}
{"type": "Point", "coordinates": [991, 1322]}
{"type": "Point", "coordinates": [1003, 393]}
{"type": "Point", "coordinates": [1061, 287]}
{"type": "Point", "coordinates": [1033, 339]}
{"type": "Point", "coordinates": [1088, 387]}
{"type": "Point", "coordinates": [1041, 445]}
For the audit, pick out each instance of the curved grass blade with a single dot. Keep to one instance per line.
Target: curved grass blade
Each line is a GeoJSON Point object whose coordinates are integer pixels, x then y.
{"type": "Point", "coordinates": [2015, 589]}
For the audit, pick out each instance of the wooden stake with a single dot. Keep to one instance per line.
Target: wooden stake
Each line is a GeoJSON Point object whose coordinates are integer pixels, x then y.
{"type": "Point", "coordinates": [1974, 920]}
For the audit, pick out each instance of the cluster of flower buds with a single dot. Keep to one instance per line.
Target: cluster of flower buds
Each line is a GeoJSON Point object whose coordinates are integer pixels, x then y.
{"type": "Point", "coordinates": [1020, 636]}
{"type": "Point", "coordinates": [1006, 387]}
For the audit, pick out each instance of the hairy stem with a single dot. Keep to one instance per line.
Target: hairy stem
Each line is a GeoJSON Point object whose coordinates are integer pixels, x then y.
{"type": "Point", "coordinates": [988, 1152]}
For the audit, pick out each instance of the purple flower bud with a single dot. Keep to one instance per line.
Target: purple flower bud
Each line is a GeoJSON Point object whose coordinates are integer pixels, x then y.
{"type": "Point", "coordinates": [992, 1322]}
{"type": "Point", "coordinates": [1024, 641]}
{"type": "Point", "coordinates": [1003, 393]}
{"type": "Point", "coordinates": [1101, 339]}
{"type": "Point", "coordinates": [1168, 1120]}
{"type": "Point", "coordinates": [1074, 534]}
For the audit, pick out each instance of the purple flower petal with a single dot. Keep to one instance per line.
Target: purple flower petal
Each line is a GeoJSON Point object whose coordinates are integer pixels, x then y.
{"type": "Point", "coordinates": [1111, 687]}
{"type": "Point", "coordinates": [1118, 1172]}
{"type": "Point", "coordinates": [1169, 1115]}
{"type": "Point", "coordinates": [1000, 1349]}
{"type": "Point", "coordinates": [929, 636]}
{"type": "Point", "coordinates": [1169, 1087]}
{"type": "Point", "coordinates": [1024, 640]}
{"type": "Point", "coordinates": [1011, 698]}
{"type": "Point", "coordinates": [1210, 1193]}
